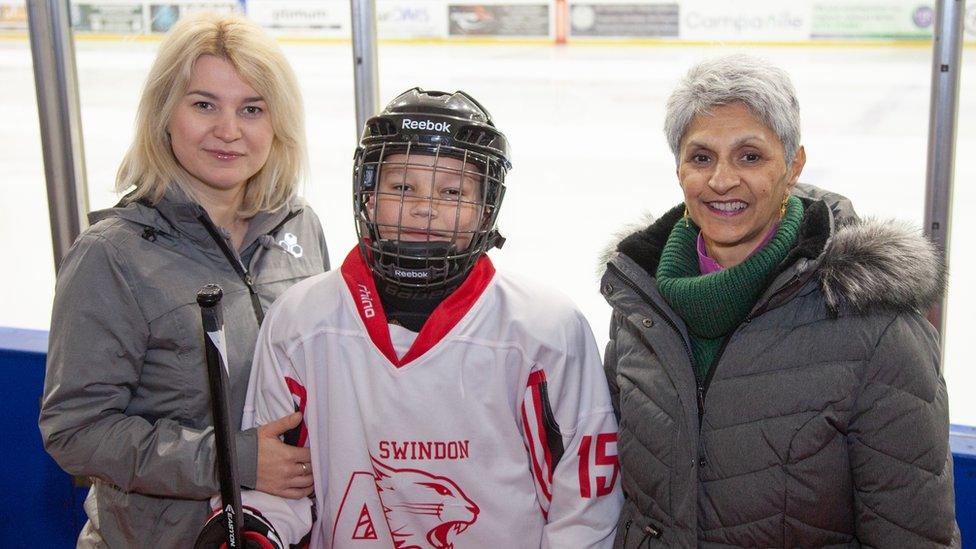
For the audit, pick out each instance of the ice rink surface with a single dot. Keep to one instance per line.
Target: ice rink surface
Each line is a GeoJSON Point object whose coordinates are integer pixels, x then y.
{"type": "Point", "coordinates": [589, 153]}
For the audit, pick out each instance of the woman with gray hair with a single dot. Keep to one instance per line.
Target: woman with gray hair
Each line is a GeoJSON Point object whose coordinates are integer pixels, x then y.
{"type": "Point", "coordinates": [776, 382]}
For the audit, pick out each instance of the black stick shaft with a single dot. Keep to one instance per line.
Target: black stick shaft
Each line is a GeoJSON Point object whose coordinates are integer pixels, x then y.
{"type": "Point", "coordinates": [230, 492]}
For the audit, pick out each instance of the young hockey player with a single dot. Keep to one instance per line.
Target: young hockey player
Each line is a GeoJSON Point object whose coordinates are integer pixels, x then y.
{"type": "Point", "coordinates": [445, 404]}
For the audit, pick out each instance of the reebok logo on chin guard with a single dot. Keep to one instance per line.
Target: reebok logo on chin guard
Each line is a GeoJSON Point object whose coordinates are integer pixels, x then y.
{"type": "Point", "coordinates": [400, 273]}
{"type": "Point", "coordinates": [408, 124]}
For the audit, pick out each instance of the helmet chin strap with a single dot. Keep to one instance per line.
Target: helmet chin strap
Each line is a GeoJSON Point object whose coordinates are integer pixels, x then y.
{"type": "Point", "coordinates": [406, 263]}
{"type": "Point", "coordinates": [495, 240]}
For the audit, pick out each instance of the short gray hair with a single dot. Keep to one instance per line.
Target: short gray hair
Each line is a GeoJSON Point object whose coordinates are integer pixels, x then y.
{"type": "Point", "coordinates": [765, 89]}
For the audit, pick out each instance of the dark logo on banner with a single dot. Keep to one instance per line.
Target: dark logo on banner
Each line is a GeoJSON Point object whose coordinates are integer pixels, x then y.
{"type": "Point", "coordinates": [498, 19]}
{"type": "Point", "coordinates": [923, 17]}
{"type": "Point", "coordinates": [472, 19]}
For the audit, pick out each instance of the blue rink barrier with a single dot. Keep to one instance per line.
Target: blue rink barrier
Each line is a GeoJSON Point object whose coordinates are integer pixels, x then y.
{"type": "Point", "coordinates": [962, 442]}
{"type": "Point", "coordinates": [39, 504]}
{"type": "Point", "coordinates": [41, 507]}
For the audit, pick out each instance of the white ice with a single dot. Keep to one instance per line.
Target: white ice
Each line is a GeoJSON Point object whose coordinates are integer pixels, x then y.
{"type": "Point", "coordinates": [589, 154]}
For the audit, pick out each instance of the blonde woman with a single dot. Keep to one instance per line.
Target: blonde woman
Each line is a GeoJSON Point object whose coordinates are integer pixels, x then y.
{"type": "Point", "coordinates": [210, 183]}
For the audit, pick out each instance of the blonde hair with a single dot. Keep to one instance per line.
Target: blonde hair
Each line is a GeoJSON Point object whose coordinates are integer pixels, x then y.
{"type": "Point", "coordinates": [150, 166]}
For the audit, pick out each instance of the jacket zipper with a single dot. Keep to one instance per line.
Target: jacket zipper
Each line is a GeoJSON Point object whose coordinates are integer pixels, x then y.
{"type": "Point", "coordinates": [677, 330]}
{"type": "Point", "coordinates": [649, 532]}
{"type": "Point", "coordinates": [701, 385]}
{"type": "Point", "coordinates": [236, 262]}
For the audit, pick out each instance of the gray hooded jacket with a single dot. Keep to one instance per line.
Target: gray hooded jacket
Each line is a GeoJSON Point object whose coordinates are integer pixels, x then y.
{"type": "Point", "coordinates": [126, 398]}
{"type": "Point", "coordinates": [823, 422]}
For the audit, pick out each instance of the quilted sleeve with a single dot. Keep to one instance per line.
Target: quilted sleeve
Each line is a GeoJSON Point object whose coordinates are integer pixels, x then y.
{"type": "Point", "coordinates": [898, 440]}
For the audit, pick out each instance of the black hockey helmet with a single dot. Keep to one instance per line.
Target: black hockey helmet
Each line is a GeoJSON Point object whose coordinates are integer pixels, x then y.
{"type": "Point", "coordinates": [416, 133]}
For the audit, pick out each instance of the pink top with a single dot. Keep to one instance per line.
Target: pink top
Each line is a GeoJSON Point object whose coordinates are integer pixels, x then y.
{"type": "Point", "coordinates": [707, 265]}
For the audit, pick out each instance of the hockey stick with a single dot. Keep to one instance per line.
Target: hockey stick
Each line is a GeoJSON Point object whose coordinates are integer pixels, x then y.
{"type": "Point", "coordinates": [230, 490]}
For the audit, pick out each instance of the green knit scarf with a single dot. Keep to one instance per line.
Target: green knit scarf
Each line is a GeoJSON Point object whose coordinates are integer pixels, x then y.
{"type": "Point", "coordinates": [712, 305]}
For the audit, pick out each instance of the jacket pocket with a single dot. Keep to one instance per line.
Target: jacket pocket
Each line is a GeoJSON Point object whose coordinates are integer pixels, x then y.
{"type": "Point", "coordinates": [276, 264]}
{"type": "Point", "coordinates": [124, 519]}
{"type": "Point", "coordinates": [274, 275]}
{"type": "Point", "coordinates": [636, 531]}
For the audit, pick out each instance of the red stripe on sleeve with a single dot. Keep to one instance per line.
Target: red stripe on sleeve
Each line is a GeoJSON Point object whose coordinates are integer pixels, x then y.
{"type": "Point", "coordinates": [536, 470]}
{"type": "Point", "coordinates": [536, 377]}
{"type": "Point", "coordinates": [541, 428]}
{"type": "Point", "coordinates": [298, 391]}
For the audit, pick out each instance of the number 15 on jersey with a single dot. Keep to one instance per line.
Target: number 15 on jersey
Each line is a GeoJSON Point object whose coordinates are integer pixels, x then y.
{"type": "Point", "coordinates": [598, 464]}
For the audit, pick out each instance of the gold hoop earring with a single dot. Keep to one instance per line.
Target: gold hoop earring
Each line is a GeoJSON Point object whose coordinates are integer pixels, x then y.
{"type": "Point", "coordinates": [782, 208]}
{"type": "Point", "coordinates": [685, 217]}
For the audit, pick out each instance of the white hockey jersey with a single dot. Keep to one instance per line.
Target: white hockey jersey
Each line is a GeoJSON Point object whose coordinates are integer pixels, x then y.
{"type": "Point", "coordinates": [490, 428]}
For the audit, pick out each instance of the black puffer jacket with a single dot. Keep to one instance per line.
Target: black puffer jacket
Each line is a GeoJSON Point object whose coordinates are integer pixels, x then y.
{"type": "Point", "coordinates": [824, 421]}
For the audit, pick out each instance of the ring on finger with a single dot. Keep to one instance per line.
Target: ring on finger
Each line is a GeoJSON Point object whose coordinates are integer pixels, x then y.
{"type": "Point", "coordinates": [304, 468]}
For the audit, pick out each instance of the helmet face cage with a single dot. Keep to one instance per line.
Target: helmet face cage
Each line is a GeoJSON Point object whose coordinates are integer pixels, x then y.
{"type": "Point", "coordinates": [425, 212]}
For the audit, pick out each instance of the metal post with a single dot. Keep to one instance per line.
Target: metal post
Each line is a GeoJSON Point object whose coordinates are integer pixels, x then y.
{"type": "Point", "coordinates": [364, 60]}
{"type": "Point", "coordinates": [944, 99]}
{"type": "Point", "coordinates": [56, 83]}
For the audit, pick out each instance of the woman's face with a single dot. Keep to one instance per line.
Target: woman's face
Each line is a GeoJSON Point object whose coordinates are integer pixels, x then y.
{"type": "Point", "coordinates": [221, 129]}
{"type": "Point", "coordinates": [424, 200]}
{"type": "Point", "coordinates": [732, 170]}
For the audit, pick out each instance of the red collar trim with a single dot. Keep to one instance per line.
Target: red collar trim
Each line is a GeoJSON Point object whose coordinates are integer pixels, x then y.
{"type": "Point", "coordinates": [359, 280]}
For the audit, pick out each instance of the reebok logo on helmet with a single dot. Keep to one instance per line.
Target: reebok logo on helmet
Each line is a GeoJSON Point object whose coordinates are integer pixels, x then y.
{"type": "Point", "coordinates": [408, 124]}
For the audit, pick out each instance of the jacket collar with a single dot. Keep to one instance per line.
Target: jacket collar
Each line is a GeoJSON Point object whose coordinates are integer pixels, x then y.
{"type": "Point", "coordinates": [176, 213]}
{"type": "Point", "coordinates": [860, 265]}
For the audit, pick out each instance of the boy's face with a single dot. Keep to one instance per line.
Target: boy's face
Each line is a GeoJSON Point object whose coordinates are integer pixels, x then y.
{"type": "Point", "coordinates": [420, 200]}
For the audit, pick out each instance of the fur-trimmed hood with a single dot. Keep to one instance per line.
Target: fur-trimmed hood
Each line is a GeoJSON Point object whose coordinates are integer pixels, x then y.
{"type": "Point", "coordinates": [861, 265]}
{"type": "Point", "coordinates": [877, 264]}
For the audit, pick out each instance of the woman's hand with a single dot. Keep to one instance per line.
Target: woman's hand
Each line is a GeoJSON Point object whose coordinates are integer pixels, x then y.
{"type": "Point", "coordinates": [283, 470]}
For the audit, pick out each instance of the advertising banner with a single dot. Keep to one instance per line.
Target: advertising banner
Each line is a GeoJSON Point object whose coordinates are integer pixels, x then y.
{"type": "Point", "coordinates": [890, 19]}
{"type": "Point", "coordinates": [163, 16]}
{"type": "Point", "coordinates": [417, 19]}
{"type": "Point", "coordinates": [498, 20]}
{"type": "Point", "coordinates": [687, 20]}
{"type": "Point", "coordinates": [121, 18]}
{"type": "Point", "coordinates": [13, 16]}
{"type": "Point", "coordinates": [745, 20]}
{"type": "Point", "coordinates": [624, 20]}
{"type": "Point", "coordinates": [302, 17]}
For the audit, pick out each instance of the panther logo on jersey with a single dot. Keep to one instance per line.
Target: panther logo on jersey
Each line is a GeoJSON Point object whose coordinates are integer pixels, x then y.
{"type": "Point", "coordinates": [433, 505]}
{"type": "Point", "coordinates": [419, 510]}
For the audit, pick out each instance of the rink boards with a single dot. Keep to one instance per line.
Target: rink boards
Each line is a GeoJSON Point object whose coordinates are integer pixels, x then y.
{"type": "Point", "coordinates": [40, 501]}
